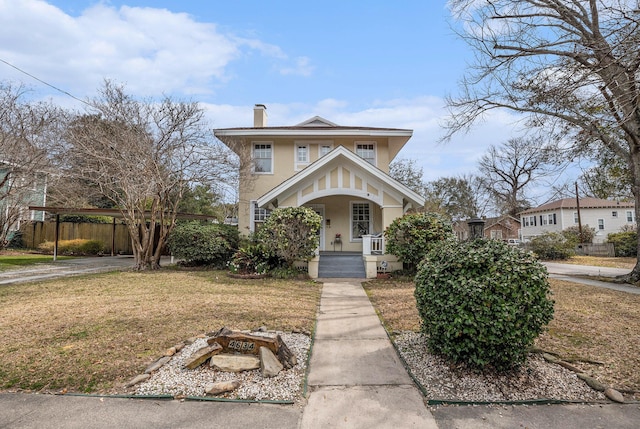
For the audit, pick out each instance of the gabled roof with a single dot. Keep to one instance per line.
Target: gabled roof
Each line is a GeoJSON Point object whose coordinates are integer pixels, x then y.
{"type": "Point", "coordinates": [344, 156]}
{"type": "Point", "coordinates": [506, 221]}
{"type": "Point", "coordinates": [585, 203]}
{"type": "Point", "coordinates": [316, 121]}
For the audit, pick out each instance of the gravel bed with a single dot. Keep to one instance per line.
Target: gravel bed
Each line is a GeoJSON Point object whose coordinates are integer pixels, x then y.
{"type": "Point", "coordinates": [537, 379]}
{"type": "Point", "coordinates": [176, 380]}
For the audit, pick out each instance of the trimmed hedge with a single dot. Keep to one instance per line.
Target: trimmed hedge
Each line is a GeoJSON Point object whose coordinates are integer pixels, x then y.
{"type": "Point", "coordinates": [203, 243]}
{"type": "Point", "coordinates": [482, 302]}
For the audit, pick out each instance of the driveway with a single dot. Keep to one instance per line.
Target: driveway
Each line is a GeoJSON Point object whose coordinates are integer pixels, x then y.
{"type": "Point", "coordinates": [581, 274]}
{"type": "Point", "coordinates": [68, 267]}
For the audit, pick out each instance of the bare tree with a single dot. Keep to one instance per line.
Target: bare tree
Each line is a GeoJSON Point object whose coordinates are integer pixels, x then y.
{"type": "Point", "coordinates": [508, 169]}
{"type": "Point", "coordinates": [570, 67]}
{"type": "Point", "coordinates": [457, 197]}
{"type": "Point", "coordinates": [27, 132]}
{"type": "Point", "coordinates": [409, 174]}
{"type": "Point", "coordinates": [143, 155]}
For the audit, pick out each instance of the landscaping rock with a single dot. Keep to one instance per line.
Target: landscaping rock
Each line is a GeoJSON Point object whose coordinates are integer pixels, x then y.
{"type": "Point", "coordinates": [269, 363]}
{"type": "Point", "coordinates": [199, 357]}
{"type": "Point", "coordinates": [138, 379]}
{"type": "Point", "coordinates": [157, 364]}
{"type": "Point", "coordinates": [221, 387]}
{"type": "Point", "coordinates": [592, 382]}
{"type": "Point", "coordinates": [614, 395]}
{"type": "Point", "coordinates": [239, 342]}
{"type": "Point", "coordinates": [235, 363]}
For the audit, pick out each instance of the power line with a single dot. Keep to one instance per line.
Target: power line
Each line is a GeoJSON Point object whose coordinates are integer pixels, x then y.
{"type": "Point", "coordinates": [42, 81]}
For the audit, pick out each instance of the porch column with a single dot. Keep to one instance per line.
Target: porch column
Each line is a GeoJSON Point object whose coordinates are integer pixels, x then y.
{"type": "Point", "coordinates": [389, 214]}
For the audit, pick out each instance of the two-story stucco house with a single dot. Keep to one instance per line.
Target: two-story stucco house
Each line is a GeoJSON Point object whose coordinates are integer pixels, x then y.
{"type": "Point", "coordinates": [341, 172]}
{"type": "Point", "coordinates": [603, 215]}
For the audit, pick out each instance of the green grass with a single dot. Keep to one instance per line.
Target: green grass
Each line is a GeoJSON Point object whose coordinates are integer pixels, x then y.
{"type": "Point", "coordinates": [15, 261]}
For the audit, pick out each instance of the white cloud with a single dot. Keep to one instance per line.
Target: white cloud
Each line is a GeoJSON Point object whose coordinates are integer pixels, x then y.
{"type": "Point", "coordinates": [152, 51]}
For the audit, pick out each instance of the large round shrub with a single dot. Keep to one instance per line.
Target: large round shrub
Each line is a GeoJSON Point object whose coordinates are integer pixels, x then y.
{"type": "Point", "coordinates": [291, 233]}
{"type": "Point", "coordinates": [203, 243]}
{"type": "Point", "coordinates": [482, 302]}
{"type": "Point", "coordinates": [411, 236]}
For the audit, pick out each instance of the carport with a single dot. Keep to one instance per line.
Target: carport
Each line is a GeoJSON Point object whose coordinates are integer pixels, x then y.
{"type": "Point", "coordinates": [113, 213]}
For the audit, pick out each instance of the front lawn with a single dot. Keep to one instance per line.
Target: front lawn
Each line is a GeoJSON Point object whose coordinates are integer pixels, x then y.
{"type": "Point", "coordinates": [10, 260]}
{"type": "Point", "coordinates": [93, 333]}
{"type": "Point", "coordinates": [590, 324]}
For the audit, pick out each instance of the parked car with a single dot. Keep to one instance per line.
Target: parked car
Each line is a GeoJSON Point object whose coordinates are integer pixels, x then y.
{"type": "Point", "coordinates": [513, 242]}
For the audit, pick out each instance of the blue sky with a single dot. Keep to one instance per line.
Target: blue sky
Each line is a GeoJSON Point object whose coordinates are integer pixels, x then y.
{"type": "Point", "coordinates": [373, 63]}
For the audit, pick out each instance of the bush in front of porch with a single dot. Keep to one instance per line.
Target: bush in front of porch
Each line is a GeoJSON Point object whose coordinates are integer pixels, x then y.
{"type": "Point", "coordinates": [411, 236]}
{"type": "Point", "coordinates": [288, 235]}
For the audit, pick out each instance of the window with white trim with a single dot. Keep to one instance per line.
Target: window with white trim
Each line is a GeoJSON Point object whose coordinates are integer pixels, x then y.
{"type": "Point", "coordinates": [263, 158]}
{"type": "Point", "coordinates": [367, 151]}
{"type": "Point", "coordinates": [360, 220]}
{"type": "Point", "coordinates": [324, 149]}
{"type": "Point", "coordinates": [302, 155]}
{"type": "Point", "coordinates": [601, 224]}
{"type": "Point", "coordinates": [258, 216]}
{"type": "Point", "coordinates": [629, 216]}
{"type": "Point", "coordinates": [614, 214]}
{"type": "Point", "coordinates": [575, 217]}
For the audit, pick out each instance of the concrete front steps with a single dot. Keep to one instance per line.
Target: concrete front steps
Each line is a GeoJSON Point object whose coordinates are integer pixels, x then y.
{"type": "Point", "coordinates": [341, 265]}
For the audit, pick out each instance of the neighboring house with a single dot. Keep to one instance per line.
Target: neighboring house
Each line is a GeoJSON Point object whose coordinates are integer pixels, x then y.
{"type": "Point", "coordinates": [498, 228]}
{"type": "Point", "coordinates": [340, 172]}
{"type": "Point", "coordinates": [603, 215]}
{"type": "Point", "coordinates": [17, 193]}
{"type": "Point", "coordinates": [502, 228]}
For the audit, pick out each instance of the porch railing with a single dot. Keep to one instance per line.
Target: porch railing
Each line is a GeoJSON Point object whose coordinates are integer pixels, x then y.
{"type": "Point", "coordinates": [373, 245]}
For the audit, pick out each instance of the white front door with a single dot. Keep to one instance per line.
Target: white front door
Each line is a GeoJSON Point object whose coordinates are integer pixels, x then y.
{"type": "Point", "coordinates": [319, 208]}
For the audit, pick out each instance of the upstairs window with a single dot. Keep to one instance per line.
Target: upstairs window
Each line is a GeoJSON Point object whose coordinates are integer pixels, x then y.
{"type": "Point", "coordinates": [601, 224]}
{"type": "Point", "coordinates": [302, 156]}
{"type": "Point", "coordinates": [367, 151]}
{"type": "Point", "coordinates": [629, 216]}
{"type": "Point", "coordinates": [263, 158]}
{"type": "Point", "coordinates": [324, 149]}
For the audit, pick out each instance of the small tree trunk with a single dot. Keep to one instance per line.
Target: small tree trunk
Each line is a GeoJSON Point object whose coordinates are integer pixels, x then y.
{"type": "Point", "coordinates": [634, 276]}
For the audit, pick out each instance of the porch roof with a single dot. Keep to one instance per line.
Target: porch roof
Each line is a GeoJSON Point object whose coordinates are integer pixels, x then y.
{"type": "Point", "coordinates": [340, 156]}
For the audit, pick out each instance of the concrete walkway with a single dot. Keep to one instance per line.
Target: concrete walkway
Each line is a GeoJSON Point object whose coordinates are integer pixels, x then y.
{"type": "Point", "coordinates": [356, 379]}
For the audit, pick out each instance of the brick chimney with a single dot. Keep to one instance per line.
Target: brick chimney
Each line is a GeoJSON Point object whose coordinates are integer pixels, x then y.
{"type": "Point", "coordinates": [259, 116]}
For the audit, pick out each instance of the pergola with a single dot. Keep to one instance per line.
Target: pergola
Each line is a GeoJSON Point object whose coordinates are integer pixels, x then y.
{"type": "Point", "coordinates": [113, 213]}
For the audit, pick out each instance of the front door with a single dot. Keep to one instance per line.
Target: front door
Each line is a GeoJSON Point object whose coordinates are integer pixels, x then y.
{"type": "Point", "coordinates": [319, 208]}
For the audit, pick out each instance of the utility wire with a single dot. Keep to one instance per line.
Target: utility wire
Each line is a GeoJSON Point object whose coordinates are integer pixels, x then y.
{"type": "Point", "coordinates": [48, 84]}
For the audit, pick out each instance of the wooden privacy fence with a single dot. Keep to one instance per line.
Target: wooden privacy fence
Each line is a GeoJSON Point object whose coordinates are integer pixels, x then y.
{"type": "Point", "coordinates": [36, 232]}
